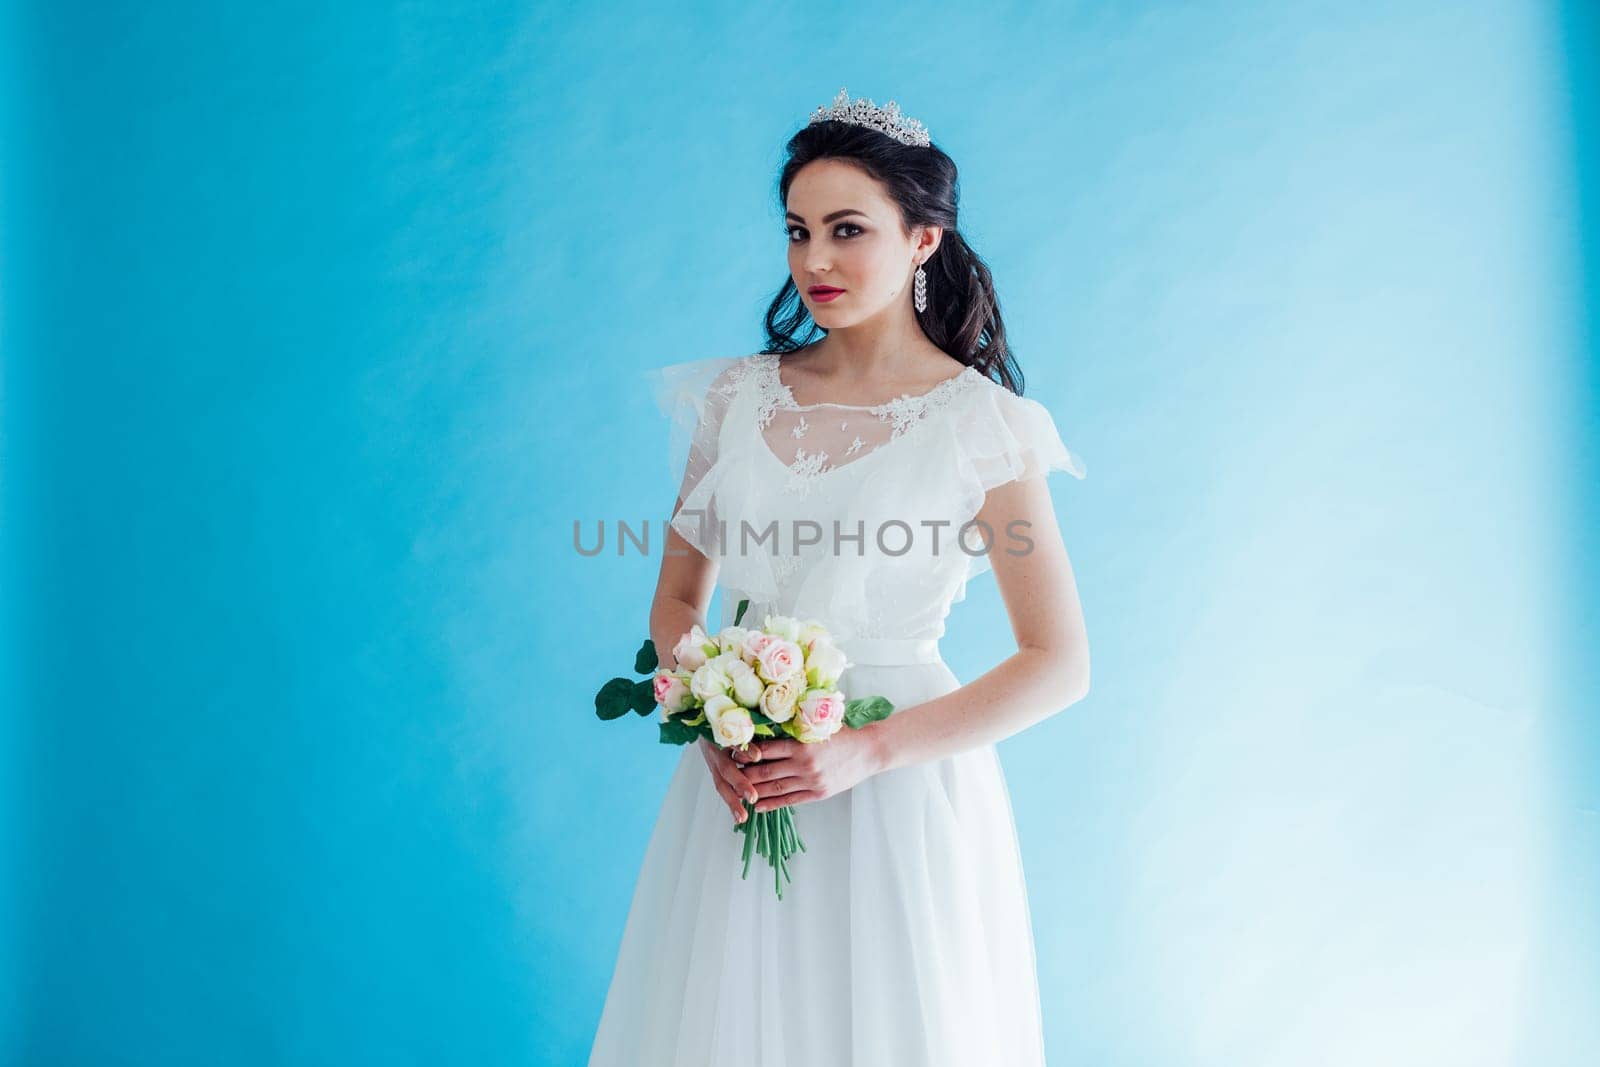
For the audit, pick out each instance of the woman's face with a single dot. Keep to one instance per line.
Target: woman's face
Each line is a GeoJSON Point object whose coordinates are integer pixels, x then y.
{"type": "Point", "coordinates": [844, 234]}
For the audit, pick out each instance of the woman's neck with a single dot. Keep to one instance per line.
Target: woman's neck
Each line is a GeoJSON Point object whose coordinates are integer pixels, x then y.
{"type": "Point", "coordinates": [863, 360]}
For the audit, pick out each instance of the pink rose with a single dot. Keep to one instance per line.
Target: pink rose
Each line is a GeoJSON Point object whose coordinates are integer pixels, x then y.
{"type": "Point", "coordinates": [671, 692]}
{"type": "Point", "coordinates": [693, 649]}
{"type": "Point", "coordinates": [821, 712]}
{"type": "Point", "coordinates": [754, 642]}
{"type": "Point", "coordinates": [778, 659]}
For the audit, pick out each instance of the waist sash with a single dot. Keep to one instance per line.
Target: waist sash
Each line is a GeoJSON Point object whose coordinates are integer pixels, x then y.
{"type": "Point", "coordinates": [889, 651]}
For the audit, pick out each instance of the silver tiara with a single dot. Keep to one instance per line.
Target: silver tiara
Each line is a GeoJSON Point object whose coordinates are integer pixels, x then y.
{"type": "Point", "coordinates": [863, 112]}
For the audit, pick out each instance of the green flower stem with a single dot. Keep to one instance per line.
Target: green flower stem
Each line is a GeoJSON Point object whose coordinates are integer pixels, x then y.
{"type": "Point", "coordinates": [774, 836]}
{"type": "Point", "coordinates": [749, 842]}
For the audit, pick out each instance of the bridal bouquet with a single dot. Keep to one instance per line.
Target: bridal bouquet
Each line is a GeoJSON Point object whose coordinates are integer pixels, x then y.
{"type": "Point", "coordinates": [740, 684]}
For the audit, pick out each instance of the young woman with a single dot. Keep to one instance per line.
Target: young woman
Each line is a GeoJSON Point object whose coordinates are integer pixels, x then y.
{"type": "Point", "coordinates": [895, 459]}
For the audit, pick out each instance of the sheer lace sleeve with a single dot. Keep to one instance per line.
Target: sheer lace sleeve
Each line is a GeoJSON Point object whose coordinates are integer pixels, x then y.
{"type": "Point", "coordinates": [1003, 438]}
{"type": "Point", "coordinates": [695, 396]}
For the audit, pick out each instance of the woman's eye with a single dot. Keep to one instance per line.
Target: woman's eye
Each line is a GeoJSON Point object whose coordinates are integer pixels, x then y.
{"type": "Point", "coordinates": [838, 231]}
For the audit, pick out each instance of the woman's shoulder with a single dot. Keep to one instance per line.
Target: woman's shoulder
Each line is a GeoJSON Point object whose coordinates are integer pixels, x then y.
{"type": "Point", "coordinates": [1006, 434]}
{"type": "Point", "coordinates": [1000, 398]}
{"type": "Point", "coordinates": [979, 393]}
{"type": "Point", "coordinates": [703, 376]}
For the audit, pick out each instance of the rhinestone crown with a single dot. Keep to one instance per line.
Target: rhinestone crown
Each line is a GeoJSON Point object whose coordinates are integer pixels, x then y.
{"type": "Point", "coordinates": [863, 112]}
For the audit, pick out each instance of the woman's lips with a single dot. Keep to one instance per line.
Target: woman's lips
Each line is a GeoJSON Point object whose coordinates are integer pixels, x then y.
{"type": "Point", "coordinates": [826, 295]}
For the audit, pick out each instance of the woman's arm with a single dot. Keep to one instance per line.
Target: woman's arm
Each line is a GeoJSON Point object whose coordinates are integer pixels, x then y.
{"type": "Point", "coordinates": [1049, 670]}
{"type": "Point", "coordinates": [683, 593]}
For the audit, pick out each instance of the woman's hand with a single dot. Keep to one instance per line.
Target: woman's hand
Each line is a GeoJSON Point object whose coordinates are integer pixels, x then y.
{"type": "Point", "coordinates": [731, 782]}
{"type": "Point", "coordinates": [785, 771]}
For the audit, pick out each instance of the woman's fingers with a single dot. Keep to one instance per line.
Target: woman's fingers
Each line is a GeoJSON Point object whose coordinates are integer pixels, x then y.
{"type": "Point", "coordinates": [788, 800]}
{"type": "Point", "coordinates": [764, 751]}
{"type": "Point", "coordinates": [777, 787]}
{"type": "Point", "coordinates": [730, 790]}
{"type": "Point", "coordinates": [736, 778]}
{"type": "Point", "coordinates": [780, 760]}
{"type": "Point", "coordinates": [729, 771]}
{"type": "Point", "coordinates": [731, 799]}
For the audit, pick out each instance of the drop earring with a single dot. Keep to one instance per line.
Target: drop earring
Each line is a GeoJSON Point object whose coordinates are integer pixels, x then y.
{"type": "Point", "coordinates": [919, 293]}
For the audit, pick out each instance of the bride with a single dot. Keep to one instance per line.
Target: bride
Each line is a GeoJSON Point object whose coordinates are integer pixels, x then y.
{"type": "Point", "coordinates": [860, 480]}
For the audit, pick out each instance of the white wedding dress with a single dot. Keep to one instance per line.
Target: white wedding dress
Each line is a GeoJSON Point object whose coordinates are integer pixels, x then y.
{"type": "Point", "coordinates": [904, 937]}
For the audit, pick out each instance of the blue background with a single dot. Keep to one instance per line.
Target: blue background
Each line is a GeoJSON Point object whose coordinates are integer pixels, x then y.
{"type": "Point", "coordinates": [321, 326]}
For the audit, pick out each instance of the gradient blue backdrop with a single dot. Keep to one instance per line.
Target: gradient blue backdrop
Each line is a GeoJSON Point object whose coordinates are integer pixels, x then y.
{"type": "Point", "coordinates": [321, 325]}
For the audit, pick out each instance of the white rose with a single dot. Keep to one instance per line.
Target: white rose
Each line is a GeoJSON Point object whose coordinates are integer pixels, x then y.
{"type": "Point", "coordinates": [732, 639]}
{"type": "Point", "coordinates": [732, 726]}
{"type": "Point", "coordinates": [691, 651]}
{"type": "Point", "coordinates": [778, 700]}
{"type": "Point", "coordinates": [747, 685]}
{"type": "Point", "coordinates": [810, 631]}
{"type": "Point", "coordinates": [825, 663]}
{"type": "Point", "coordinates": [709, 680]}
{"type": "Point", "coordinates": [782, 626]}
{"type": "Point", "coordinates": [716, 706]}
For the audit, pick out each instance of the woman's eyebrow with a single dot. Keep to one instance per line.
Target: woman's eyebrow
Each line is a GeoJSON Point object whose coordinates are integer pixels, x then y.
{"type": "Point", "coordinates": [829, 218]}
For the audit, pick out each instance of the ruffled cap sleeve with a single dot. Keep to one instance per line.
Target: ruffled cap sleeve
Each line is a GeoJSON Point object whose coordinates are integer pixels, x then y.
{"type": "Point", "coordinates": [1003, 437]}
{"type": "Point", "coordinates": [694, 396]}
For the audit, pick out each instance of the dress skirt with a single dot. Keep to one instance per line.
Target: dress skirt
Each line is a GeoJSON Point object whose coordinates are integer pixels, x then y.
{"type": "Point", "coordinates": [903, 940]}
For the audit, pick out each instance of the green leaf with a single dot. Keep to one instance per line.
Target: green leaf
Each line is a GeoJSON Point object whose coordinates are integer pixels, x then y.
{"type": "Point", "coordinates": [645, 661]}
{"type": "Point", "coordinates": [644, 696]}
{"type": "Point", "coordinates": [615, 698]}
{"type": "Point", "coordinates": [739, 614]}
{"type": "Point", "coordinates": [862, 710]}
{"type": "Point", "coordinates": [764, 731]}
{"type": "Point", "coordinates": [675, 732]}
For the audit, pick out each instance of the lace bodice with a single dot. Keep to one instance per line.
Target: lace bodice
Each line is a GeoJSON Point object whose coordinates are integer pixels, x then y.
{"type": "Point", "coordinates": [857, 516]}
{"type": "Point", "coordinates": [812, 440]}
